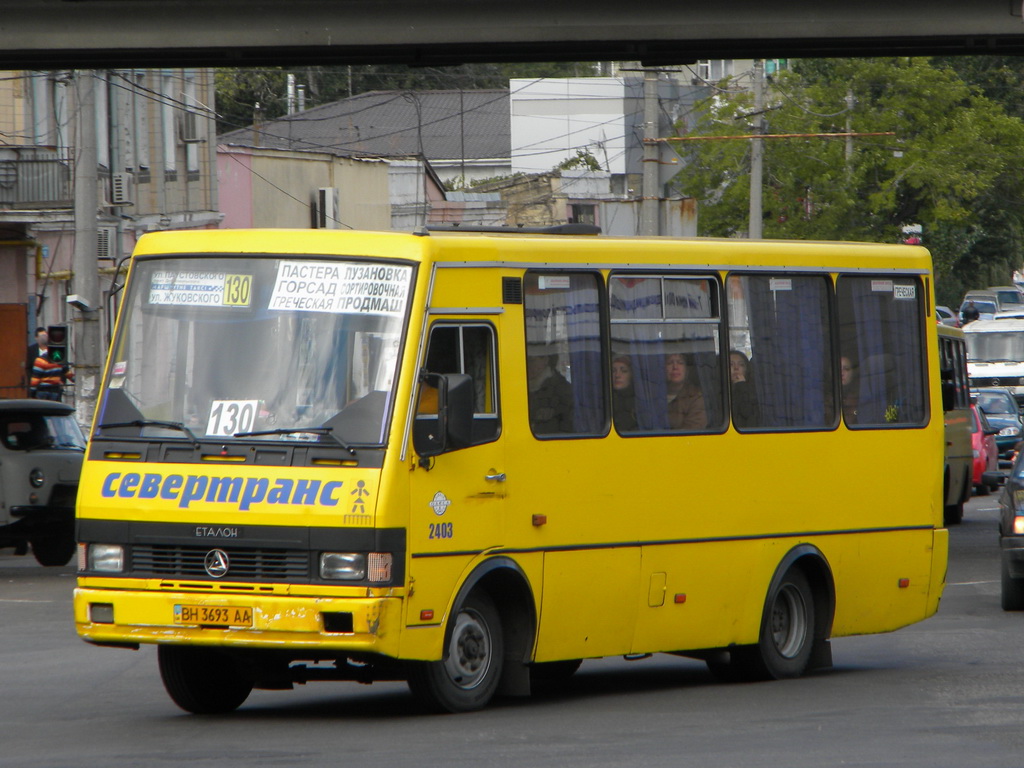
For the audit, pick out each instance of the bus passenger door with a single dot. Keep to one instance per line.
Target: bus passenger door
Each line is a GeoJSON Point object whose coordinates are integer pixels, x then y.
{"type": "Point", "coordinates": [457, 498]}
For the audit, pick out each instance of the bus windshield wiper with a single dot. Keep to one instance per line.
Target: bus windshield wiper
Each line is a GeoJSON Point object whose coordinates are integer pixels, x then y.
{"type": "Point", "coordinates": [152, 423]}
{"type": "Point", "coordinates": [329, 431]}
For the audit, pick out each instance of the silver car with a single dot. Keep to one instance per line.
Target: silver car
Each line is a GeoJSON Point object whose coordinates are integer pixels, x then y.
{"type": "Point", "coordinates": [41, 451]}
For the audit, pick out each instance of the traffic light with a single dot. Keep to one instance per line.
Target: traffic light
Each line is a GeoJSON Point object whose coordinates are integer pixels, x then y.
{"type": "Point", "coordinates": [58, 343]}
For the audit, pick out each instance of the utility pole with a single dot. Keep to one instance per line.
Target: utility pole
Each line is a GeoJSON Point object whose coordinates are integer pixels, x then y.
{"type": "Point", "coordinates": [86, 278]}
{"type": "Point", "coordinates": [650, 188]}
{"type": "Point", "coordinates": [756, 154]}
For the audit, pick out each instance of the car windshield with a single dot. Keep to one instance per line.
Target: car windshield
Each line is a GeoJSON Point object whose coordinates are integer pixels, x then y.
{"type": "Point", "coordinates": [995, 346]}
{"type": "Point", "coordinates": [1009, 297]}
{"type": "Point", "coordinates": [996, 402]}
{"type": "Point", "coordinates": [292, 348]}
{"type": "Point", "coordinates": [32, 431]}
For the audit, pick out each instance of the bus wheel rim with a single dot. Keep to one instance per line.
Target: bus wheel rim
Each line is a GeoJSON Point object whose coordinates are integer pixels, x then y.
{"type": "Point", "coordinates": [469, 656]}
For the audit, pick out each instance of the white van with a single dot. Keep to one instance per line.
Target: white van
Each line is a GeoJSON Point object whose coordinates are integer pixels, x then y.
{"type": "Point", "coordinates": [995, 354]}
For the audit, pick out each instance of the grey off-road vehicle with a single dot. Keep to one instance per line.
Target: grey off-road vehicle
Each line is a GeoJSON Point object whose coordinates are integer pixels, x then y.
{"type": "Point", "coordinates": [41, 451]}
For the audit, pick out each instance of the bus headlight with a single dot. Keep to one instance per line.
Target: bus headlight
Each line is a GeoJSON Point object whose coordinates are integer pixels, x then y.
{"type": "Point", "coordinates": [344, 566]}
{"type": "Point", "coordinates": [107, 558]}
{"type": "Point", "coordinates": [374, 567]}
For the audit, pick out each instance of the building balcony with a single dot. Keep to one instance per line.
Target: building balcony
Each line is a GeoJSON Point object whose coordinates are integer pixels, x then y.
{"type": "Point", "coordinates": [35, 177]}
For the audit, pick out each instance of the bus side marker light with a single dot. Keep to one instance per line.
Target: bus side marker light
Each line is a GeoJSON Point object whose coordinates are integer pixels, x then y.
{"type": "Point", "coordinates": [904, 583]}
{"type": "Point", "coordinates": [426, 615]}
{"type": "Point", "coordinates": [680, 598]}
{"type": "Point", "coordinates": [539, 520]}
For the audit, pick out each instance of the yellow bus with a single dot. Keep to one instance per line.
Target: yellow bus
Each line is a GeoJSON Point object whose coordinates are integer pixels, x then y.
{"type": "Point", "coordinates": [470, 461]}
{"type": "Point", "coordinates": [959, 456]}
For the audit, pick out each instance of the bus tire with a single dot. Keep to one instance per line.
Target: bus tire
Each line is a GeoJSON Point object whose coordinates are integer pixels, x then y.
{"type": "Point", "coordinates": [467, 677]}
{"type": "Point", "coordinates": [786, 639]}
{"type": "Point", "coordinates": [203, 681]}
{"type": "Point", "coordinates": [1012, 592]}
{"type": "Point", "coordinates": [953, 514]}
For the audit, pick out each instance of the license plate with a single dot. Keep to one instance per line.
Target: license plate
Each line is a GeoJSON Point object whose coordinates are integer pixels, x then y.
{"type": "Point", "coordinates": [213, 615]}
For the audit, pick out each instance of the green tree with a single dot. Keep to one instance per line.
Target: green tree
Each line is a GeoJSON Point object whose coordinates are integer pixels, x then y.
{"type": "Point", "coordinates": [950, 165]}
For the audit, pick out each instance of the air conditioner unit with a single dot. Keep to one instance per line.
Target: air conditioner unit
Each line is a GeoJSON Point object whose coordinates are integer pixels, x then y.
{"type": "Point", "coordinates": [189, 127]}
{"type": "Point", "coordinates": [325, 209]}
{"type": "Point", "coordinates": [106, 243]}
{"type": "Point", "coordinates": [122, 188]}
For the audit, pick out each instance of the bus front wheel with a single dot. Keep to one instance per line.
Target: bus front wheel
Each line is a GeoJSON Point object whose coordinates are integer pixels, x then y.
{"type": "Point", "coordinates": [466, 679]}
{"type": "Point", "coordinates": [203, 681]}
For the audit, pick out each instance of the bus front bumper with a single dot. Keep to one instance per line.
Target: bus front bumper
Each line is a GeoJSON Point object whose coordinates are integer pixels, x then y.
{"type": "Point", "coordinates": [131, 617]}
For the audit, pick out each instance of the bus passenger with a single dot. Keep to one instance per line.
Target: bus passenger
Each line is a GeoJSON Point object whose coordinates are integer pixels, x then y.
{"type": "Point", "coordinates": [623, 396]}
{"type": "Point", "coordinates": [685, 400]}
{"type": "Point", "coordinates": [551, 401]}
{"type": "Point", "coordinates": [745, 410]}
{"type": "Point", "coordinates": [848, 378]}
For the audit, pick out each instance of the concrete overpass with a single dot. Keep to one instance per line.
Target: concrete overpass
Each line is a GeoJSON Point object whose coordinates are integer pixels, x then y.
{"type": "Point", "coordinates": [53, 34]}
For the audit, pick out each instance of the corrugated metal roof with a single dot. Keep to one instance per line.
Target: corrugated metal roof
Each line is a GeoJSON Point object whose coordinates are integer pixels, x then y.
{"type": "Point", "coordinates": [443, 125]}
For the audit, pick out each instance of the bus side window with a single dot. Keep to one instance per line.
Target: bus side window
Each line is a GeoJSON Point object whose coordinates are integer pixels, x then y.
{"type": "Point", "coordinates": [782, 324]}
{"type": "Point", "coordinates": [880, 324]}
{"type": "Point", "coordinates": [566, 373]}
{"type": "Point", "coordinates": [468, 349]}
{"type": "Point", "coordinates": [666, 329]}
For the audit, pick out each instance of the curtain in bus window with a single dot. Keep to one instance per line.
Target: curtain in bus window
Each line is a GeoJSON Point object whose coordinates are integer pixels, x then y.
{"type": "Point", "coordinates": [564, 354]}
{"type": "Point", "coordinates": [880, 333]}
{"type": "Point", "coordinates": [791, 355]}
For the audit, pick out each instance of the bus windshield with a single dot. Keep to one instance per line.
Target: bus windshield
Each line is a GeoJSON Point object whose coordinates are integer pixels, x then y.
{"type": "Point", "coordinates": [1005, 346]}
{"type": "Point", "coordinates": [288, 348]}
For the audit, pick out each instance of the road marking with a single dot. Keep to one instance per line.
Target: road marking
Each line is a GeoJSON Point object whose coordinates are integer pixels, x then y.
{"type": "Point", "coordinates": [968, 583]}
{"type": "Point", "coordinates": [11, 600]}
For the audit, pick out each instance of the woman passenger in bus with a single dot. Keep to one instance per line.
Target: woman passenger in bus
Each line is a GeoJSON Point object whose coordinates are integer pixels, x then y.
{"type": "Point", "coordinates": [745, 410]}
{"type": "Point", "coordinates": [623, 396]}
{"type": "Point", "coordinates": [848, 378]}
{"type": "Point", "coordinates": [685, 400]}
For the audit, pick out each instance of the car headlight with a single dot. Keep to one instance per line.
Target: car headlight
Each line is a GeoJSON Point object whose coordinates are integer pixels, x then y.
{"type": "Point", "coordinates": [36, 478]}
{"type": "Point", "coordinates": [107, 558]}
{"type": "Point", "coordinates": [1009, 431]}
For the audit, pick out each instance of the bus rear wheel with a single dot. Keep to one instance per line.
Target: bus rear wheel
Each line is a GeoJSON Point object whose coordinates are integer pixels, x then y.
{"type": "Point", "coordinates": [467, 678]}
{"type": "Point", "coordinates": [203, 681]}
{"type": "Point", "coordinates": [787, 629]}
{"type": "Point", "coordinates": [786, 639]}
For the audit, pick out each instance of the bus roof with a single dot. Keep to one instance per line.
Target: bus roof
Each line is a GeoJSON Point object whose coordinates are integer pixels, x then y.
{"type": "Point", "coordinates": [488, 249]}
{"type": "Point", "coordinates": [1001, 325]}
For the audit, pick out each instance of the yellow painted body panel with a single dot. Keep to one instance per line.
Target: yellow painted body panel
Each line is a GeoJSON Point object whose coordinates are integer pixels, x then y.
{"type": "Point", "coordinates": [626, 545]}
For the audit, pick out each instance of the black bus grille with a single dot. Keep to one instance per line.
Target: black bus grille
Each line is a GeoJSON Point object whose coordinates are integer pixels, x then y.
{"type": "Point", "coordinates": [172, 560]}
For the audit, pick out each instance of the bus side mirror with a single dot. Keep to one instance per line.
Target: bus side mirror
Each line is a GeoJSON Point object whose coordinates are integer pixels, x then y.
{"type": "Point", "coordinates": [444, 420]}
{"type": "Point", "coordinates": [948, 395]}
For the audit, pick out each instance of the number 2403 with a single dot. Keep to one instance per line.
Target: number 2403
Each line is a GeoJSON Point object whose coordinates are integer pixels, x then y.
{"type": "Point", "coordinates": [441, 531]}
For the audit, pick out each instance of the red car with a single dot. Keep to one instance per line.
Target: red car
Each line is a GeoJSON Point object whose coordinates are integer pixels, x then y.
{"type": "Point", "coordinates": [986, 453]}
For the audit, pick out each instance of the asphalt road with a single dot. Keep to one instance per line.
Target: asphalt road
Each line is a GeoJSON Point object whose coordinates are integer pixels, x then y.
{"type": "Point", "coordinates": [946, 692]}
